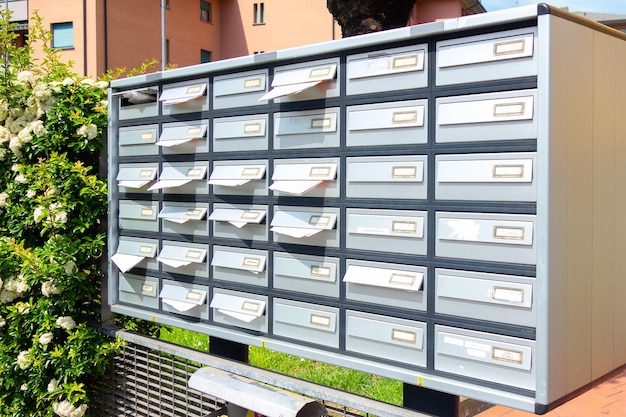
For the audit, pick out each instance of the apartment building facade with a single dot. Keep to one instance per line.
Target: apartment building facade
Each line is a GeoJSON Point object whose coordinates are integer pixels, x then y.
{"type": "Point", "coordinates": [107, 34]}
{"type": "Point", "coordinates": [97, 35]}
{"type": "Point", "coordinates": [19, 16]}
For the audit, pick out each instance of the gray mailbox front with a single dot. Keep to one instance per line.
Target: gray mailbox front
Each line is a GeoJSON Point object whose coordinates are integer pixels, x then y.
{"type": "Point", "coordinates": [440, 204]}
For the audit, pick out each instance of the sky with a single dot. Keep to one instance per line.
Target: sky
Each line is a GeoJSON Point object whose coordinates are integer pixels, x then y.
{"type": "Point", "coordinates": [594, 6]}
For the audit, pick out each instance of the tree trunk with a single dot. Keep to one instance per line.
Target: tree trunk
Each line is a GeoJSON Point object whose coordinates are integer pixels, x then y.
{"type": "Point", "coordinates": [357, 17]}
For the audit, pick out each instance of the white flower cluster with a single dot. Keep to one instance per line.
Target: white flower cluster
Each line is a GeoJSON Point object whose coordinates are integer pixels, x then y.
{"type": "Point", "coordinates": [24, 360]}
{"type": "Point", "coordinates": [3, 322]}
{"type": "Point", "coordinates": [53, 385]}
{"type": "Point", "coordinates": [22, 120]}
{"type": "Point", "coordinates": [66, 409]}
{"type": "Point", "coordinates": [66, 322]}
{"type": "Point", "coordinates": [48, 288]}
{"type": "Point", "coordinates": [69, 267]}
{"type": "Point", "coordinates": [22, 308]}
{"type": "Point", "coordinates": [89, 131]}
{"type": "Point", "coordinates": [55, 86]}
{"type": "Point", "coordinates": [3, 199]}
{"type": "Point", "coordinates": [102, 85]}
{"type": "Point", "coordinates": [53, 216]}
{"type": "Point", "coordinates": [46, 338]}
{"type": "Point", "coordinates": [13, 288]}
{"type": "Point", "coordinates": [25, 78]}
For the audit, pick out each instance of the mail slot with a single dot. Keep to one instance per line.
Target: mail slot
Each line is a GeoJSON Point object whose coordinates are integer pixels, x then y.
{"type": "Point", "coordinates": [184, 218]}
{"type": "Point", "coordinates": [306, 177]}
{"type": "Point", "coordinates": [307, 129]}
{"type": "Point", "coordinates": [246, 178]}
{"type": "Point", "coordinates": [486, 236]}
{"type": "Point", "coordinates": [395, 177]}
{"type": "Point", "coordinates": [387, 70]}
{"type": "Point", "coordinates": [182, 178]}
{"type": "Point", "coordinates": [306, 274]}
{"type": "Point", "coordinates": [139, 290]}
{"type": "Point", "coordinates": [305, 81]}
{"type": "Point", "coordinates": [184, 258]}
{"type": "Point", "coordinates": [393, 123]}
{"type": "Point", "coordinates": [306, 225]}
{"type": "Point", "coordinates": [493, 297]}
{"type": "Point", "coordinates": [313, 323]}
{"type": "Point", "coordinates": [389, 338]}
{"type": "Point", "coordinates": [138, 103]}
{"type": "Point", "coordinates": [397, 231]}
{"type": "Point", "coordinates": [240, 309]}
{"type": "Point", "coordinates": [184, 138]}
{"type": "Point", "coordinates": [136, 178]}
{"type": "Point", "coordinates": [494, 56]}
{"type": "Point", "coordinates": [138, 215]}
{"type": "Point", "coordinates": [395, 285]}
{"type": "Point", "coordinates": [491, 116]}
{"type": "Point", "coordinates": [185, 299]}
{"type": "Point", "coordinates": [138, 140]}
{"type": "Point", "coordinates": [244, 266]}
{"type": "Point", "coordinates": [490, 357]}
{"type": "Point", "coordinates": [184, 97]}
{"type": "Point", "coordinates": [244, 222]}
{"type": "Point", "coordinates": [489, 177]}
{"type": "Point", "coordinates": [240, 89]}
{"type": "Point", "coordinates": [240, 133]}
{"type": "Point", "coordinates": [134, 252]}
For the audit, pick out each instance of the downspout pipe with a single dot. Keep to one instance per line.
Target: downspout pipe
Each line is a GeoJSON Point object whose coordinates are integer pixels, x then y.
{"type": "Point", "coordinates": [163, 37]}
{"type": "Point", "coordinates": [6, 56]}
{"type": "Point", "coordinates": [106, 35]}
{"type": "Point", "coordinates": [85, 37]}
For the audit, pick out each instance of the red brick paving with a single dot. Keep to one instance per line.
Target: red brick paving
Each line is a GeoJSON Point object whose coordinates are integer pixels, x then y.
{"type": "Point", "coordinates": [607, 399]}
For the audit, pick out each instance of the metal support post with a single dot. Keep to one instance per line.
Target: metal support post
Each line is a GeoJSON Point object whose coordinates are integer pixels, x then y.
{"type": "Point", "coordinates": [228, 349]}
{"type": "Point", "coordinates": [431, 402]}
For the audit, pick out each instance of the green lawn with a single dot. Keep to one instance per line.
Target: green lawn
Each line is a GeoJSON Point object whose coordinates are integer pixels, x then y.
{"type": "Point", "coordinates": [361, 383]}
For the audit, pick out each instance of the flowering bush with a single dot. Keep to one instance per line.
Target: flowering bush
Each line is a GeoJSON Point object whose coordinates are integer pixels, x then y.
{"type": "Point", "coordinates": [51, 237]}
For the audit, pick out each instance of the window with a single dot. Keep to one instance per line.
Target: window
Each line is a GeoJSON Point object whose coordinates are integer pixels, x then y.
{"type": "Point", "coordinates": [259, 13]}
{"type": "Point", "coordinates": [205, 11]}
{"type": "Point", "coordinates": [63, 35]}
{"type": "Point", "coordinates": [205, 56]}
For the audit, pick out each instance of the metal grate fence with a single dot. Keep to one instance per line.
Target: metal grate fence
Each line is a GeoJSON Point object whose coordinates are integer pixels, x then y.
{"type": "Point", "coordinates": [146, 383]}
{"type": "Point", "coordinates": [149, 379]}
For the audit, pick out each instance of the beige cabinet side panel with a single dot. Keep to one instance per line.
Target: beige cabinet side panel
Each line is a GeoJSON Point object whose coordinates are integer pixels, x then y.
{"type": "Point", "coordinates": [569, 193]}
{"type": "Point", "coordinates": [604, 130]}
{"type": "Point", "coordinates": [619, 157]}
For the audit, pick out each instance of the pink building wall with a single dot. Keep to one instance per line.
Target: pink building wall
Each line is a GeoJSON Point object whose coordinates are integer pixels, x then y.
{"type": "Point", "coordinates": [286, 24]}
{"type": "Point", "coordinates": [134, 32]}
{"type": "Point", "coordinates": [110, 34]}
{"type": "Point", "coordinates": [61, 11]}
{"type": "Point", "coordinates": [432, 10]}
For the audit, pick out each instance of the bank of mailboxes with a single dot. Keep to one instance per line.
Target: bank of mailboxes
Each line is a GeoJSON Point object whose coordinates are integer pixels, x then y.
{"type": "Point", "coordinates": [374, 202]}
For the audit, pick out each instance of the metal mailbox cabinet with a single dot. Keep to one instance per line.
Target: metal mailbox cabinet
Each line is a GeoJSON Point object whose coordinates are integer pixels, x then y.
{"type": "Point", "coordinates": [442, 204]}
